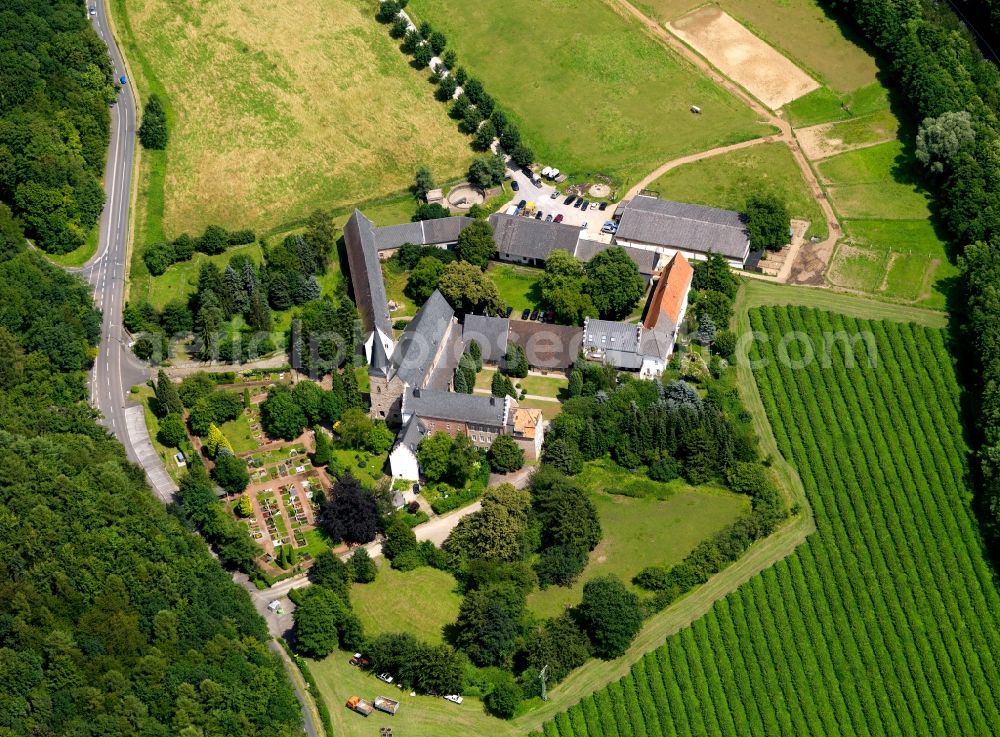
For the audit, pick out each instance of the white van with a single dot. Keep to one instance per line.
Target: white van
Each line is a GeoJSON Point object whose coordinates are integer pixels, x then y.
{"type": "Point", "coordinates": [547, 171]}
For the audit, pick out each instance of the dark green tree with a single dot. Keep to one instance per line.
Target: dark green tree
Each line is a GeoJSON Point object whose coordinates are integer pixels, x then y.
{"type": "Point", "coordinates": [280, 415]}
{"type": "Point", "coordinates": [351, 514]}
{"type": "Point", "coordinates": [424, 279]}
{"type": "Point", "coordinates": [501, 386]}
{"type": "Point", "coordinates": [171, 432]}
{"type": "Point", "coordinates": [505, 455]}
{"type": "Point", "coordinates": [167, 399]}
{"type": "Point", "coordinates": [613, 283]}
{"type": "Point", "coordinates": [767, 221]}
{"type": "Point", "coordinates": [611, 615]}
{"type": "Point", "coordinates": [504, 697]}
{"type": "Point", "coordinates": [363, 569]}
{"type": "Point", "coordinates": [230, 473]}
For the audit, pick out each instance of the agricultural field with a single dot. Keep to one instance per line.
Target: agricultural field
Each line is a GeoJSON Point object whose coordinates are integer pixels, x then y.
{"type": "Point", "coordinates": [725, 181]}
{"type": "Point", "coordinates": [886, 620]}
{"type": "Point", "coordinates": [421, 602]}
{"type": "Point", "coordinates": [820, 45]}
{"type": "Point", "coordinates": [279, 108]}
{"type": "Point", "coordinates": [658, 525]}
{"type": "Point", "coordinates": [890, 249]}
{"type": "Point", "coordinates": [589, 89]}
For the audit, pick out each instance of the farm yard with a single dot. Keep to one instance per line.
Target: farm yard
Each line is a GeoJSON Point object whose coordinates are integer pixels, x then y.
{"type": "Point", "coordinates": [598, 95]}
{"type": "Point", "coordinates": [888, 602]}
{"type": "Point", "coordinates": [280, 108]}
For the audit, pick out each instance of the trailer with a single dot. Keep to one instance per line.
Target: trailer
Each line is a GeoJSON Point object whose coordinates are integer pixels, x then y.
{"type": "Point", "coordinates": [358, 704]}
{"type": "Point", "coordinates": [389, 706]}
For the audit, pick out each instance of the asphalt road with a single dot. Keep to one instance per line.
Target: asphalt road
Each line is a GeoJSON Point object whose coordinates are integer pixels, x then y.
{"type": "Point", "coordinates": [116, 368]}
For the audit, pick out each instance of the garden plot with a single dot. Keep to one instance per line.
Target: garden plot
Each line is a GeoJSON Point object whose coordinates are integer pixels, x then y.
{"type": "Point", "coordinates": [743, 57]}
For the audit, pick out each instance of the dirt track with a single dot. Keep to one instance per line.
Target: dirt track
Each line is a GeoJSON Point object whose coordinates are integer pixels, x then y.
{"type": "Point", "coordinates": [812, 258]}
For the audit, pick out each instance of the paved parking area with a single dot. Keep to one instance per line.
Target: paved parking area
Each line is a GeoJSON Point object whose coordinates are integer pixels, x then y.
{"type": "Point", "coordinates": [541, 196]}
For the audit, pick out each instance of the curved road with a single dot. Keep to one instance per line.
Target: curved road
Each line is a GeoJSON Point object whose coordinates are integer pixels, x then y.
{"type": "Point", "coordinates": [116, 368]}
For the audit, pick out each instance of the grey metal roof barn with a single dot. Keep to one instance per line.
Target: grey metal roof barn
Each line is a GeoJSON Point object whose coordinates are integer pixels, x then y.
{"type": "Point", "coordinates": [518, 237]}
{"type": "Point", "coordinates": [435, 232]}
{"type": "Point", "coordinates": [477, 409]}
{"type": "Point", "coordinates": [366, 274]}
{"type": "Point", "coordinates": [490, 333]}
{"type": "Point", "coordinates": [687, 227]}
{"type": "Point", "coordinates": [417, 346]}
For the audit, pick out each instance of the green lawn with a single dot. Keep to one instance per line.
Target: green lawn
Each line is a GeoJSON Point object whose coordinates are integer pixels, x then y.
{"type": "Point", "coordinates": [238, 434]}
{"type": "Point", "coordinates": [372, 470]}
{"type": "Point", "coordinates": [144, 396]}
{"type": "Point", "coordinates": [418, 716]}
{"type": "Point", "coordinates": [421, 602]}
{"type": "Point", "coordinates": [590, 90]}
{"type": "Point", "coordinates": [725, 181]}
{"type": "Point", "coordinates": [78, 256]}
{"type": "Point", "coordinates": [875, 182]}
{"type": "Point", "coordinates": [543, 386]}
{"type": "Point", "coordinates": [518, 285]}
{"type": "Point", "coordinates": [643, 531]}
{"type": "Point", "coordinates": [395, 281]}
{"type": "Point", "coordinates": [825, 105]}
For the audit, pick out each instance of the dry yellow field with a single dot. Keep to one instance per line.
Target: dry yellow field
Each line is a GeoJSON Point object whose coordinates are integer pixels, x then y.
{"type": "Point", "coordinates": [283, 107]}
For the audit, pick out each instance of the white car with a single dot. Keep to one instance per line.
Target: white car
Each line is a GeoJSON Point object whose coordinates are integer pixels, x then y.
{"type": "Point", "coordinates": [384, 677]}
{"type": "Point", "coordinates": [93, 10]}
{"type": "Point", "coordinates": [454, 698]}
{"type": "Point", "coordinates": [546, 171]}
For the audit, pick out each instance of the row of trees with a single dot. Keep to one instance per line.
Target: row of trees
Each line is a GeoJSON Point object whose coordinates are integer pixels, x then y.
{"type": "Point", "coordinates": [947, 84]}
{"type": "Point", "coordinates": [477, 112]}
{"type": "Point", "coordinates": [158, 257]}
{"type": "Point", "coordinates": [58, 84]}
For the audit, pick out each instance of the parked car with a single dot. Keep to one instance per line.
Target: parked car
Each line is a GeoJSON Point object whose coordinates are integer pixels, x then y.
{"type": "Point", "coordinates": [93, 10]}
{"type": "Point", "coordinates": [525, 313]}
{"type": "Point", "coordinates": [578, 203]}
{"type": "Point", "coordinates": [514, 185]}
{"type": "Point", "coordinates": [553, 174]}
{"type": "Point", "coordinates": [550, 316]}
{"type": "Point", "coordinates": [521, 204]}
{"type": "Point", "coordinates": [559, 218]}
{"type": "Point", "coordinates": [555, 194]}
{"type": "Point", "coordinates": [538, 215]}
{"type": "Point", "coordinates": [546, 171]}
{"type": "Point", "coordinates": [609, 227]}
{"type": "Point", "coordinates": [121, 79]}
{"type": "Point", "coordinates": [509, 310]}
{"type": "Point", "coordinates": [584, 204]}
{"type": "Point", "coordinates": [534, 315]}
{"type": "Point", "coordinates": [593, 205]}
{"type": "Point", "coordinates": [359, 660]}
{"type": "Point", "coordinates": [385, 677]}
{"type": "Point", "coordinates": [603, 207]}
{"type": "Point", "coordinates": [548, 218]}
{"type": "Point", "coordinates": [569, 200]}
{"type": "Point", "coordinates": [453, 698]}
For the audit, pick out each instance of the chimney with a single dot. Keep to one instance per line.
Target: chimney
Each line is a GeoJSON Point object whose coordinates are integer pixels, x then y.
{"type": "Point", "coordinates": [493, 401]}
{"type": "Point", "coordinates": [416, 392]}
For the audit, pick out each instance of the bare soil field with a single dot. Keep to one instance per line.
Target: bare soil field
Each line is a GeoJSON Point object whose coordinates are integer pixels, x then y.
{"type": "Point", "coordinates": [829, 139]}
{"type": "Point", "coordinates": [743, 57]}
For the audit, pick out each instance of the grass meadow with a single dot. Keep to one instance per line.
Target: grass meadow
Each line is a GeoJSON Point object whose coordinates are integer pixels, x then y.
{"type": "Point", "coordinates": [641, 531]}
{"type": "Point", "coordinates": [590, 91]}
{"type": "Point", "coordinates": [886, 620]}
{"type": "Point", "coordinates": [277, 109]}
{"type": "Point", "coordinates": [518, 285]}
{"type": "Point", "coordinates": [891, 249]}
{"type": "Point", "coordinates": [421, 602]}
{"type": "Point", "coordinates": [726, 181]}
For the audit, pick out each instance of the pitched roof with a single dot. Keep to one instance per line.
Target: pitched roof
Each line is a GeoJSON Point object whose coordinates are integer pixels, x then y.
{"type": "Point", "coordinates": [679, 225]}
{"type": "Point", "coordinates": [417, 346]}
{"type": "Point", "coordinates": [526, 422]}
{"type": "Point", "coordinates": [434, 232]}
{"type": "Point", "coordinates": [478, 409]}
{"type": "Point", "coordinates": [442, 375]}
{"type": "Point", "coordinates": [668, 297]}
{"type": "Point", "coordinates": [379, 365]}
{"type": "Point", "coordinates": [411, 435]}
{"type": "Point", "coordinates": [489, 332]}
{"type": "Point", "coordinates": [547, 346]}
{"type": "Point", "coordinates": [529, 238]}
{"type": "Point", "coordinates": [366, 273]}
{"type": "Point", "coordinates": [617, 342]}
{"type": "Point", "coordinates": [644, 259]}
{"type": "Point", "coordinates": [656, 342]}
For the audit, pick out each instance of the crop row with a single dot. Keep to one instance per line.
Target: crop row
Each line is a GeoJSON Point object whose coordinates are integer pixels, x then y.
{"type": "Point", "coordinates": [887, 620]}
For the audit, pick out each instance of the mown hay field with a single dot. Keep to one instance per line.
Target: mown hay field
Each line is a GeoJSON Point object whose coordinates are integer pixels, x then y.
{"type": "Point", "coordinates": [590, 90]}
{"type": "Point", "coordinates": [279, 108]}
{"type": "Point", "coordinates": [886, 620]}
